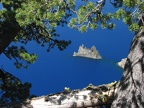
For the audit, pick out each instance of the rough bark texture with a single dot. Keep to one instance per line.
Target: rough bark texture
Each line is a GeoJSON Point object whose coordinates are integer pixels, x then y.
{"type": "Point", "coordinates": [89, 97]}
{"type": "Point", "coordinates": [7, 35]}
{"type": "Point", "coordinates": [130, 93]}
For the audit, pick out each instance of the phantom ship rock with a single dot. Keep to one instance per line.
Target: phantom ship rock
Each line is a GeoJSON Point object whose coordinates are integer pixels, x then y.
{"type": "Point", "coordinates": [90, 53]}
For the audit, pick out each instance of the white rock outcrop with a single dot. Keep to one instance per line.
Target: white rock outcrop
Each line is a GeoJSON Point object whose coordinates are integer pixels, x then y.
{"type": "Point", "coordinates": [122, 63]}
{"type": "Point", "coordinates": [88, 97]}
{"type": "Point", "coordinates": [85, 52]}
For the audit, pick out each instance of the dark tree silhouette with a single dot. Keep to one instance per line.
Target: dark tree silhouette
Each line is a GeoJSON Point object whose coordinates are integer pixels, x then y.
{"type": "Point", "coordinates": [12, 89]}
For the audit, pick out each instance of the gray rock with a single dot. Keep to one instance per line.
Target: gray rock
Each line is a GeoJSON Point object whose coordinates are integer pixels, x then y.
{"type": "Point", "coordinates": [85, 52]}
{"type": "Point", "coordinates": [122, 63]}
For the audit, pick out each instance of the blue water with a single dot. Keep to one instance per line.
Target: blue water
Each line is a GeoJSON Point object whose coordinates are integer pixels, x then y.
{"type": "Point", "coordinates": [58, 69]}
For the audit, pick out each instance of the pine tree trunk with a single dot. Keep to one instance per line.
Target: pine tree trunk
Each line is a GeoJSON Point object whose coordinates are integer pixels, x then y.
{"type": "Point", "coordinates": [130, 93]}
{"type": "Point", "coordinates": [7, 35]}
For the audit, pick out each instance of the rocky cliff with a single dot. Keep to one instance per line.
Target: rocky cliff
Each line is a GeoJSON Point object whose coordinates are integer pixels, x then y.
{"type": "Point", "coordinates": [85, 52]}
{"type": "Point", "coordinates": [88, 97]}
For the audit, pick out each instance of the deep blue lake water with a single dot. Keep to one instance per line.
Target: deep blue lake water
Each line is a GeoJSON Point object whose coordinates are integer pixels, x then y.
{"type": "Point", "coordinates": [58, 69]}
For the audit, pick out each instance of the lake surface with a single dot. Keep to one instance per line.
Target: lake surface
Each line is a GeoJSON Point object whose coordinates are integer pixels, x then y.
{"type": "Point", "coordinates": [58, 69]}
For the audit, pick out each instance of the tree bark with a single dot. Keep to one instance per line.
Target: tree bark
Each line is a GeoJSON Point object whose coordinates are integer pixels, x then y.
{"type": "Point", "coordinates": [89, 97]}
{"type": "Point", "coordinates": [130, 93]}
{"type": "Point", "coordinates": [7, 34]}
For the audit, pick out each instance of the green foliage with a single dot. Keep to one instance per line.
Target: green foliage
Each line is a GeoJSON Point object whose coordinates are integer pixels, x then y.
{"type": "Point", "coordinates": [119, 14]}
{"type": "Point", "coordinates": [93, 26]}
{"type": "Point", "coordinates": [141, 7]}
{"type": "Point", "coordinates": [20, 54]}
{"type": "Point", "coordinates": [127, 19]}
{"type": "Point", "coordinates": [36, 20]}
{"type": "Point", "coordinates": [134, 27]}
{"type": "Point", "coordinates": [83, 28]}
{"type": "Point", "coordinates": [30, 58]}
{"type": "Point", "coordinates": [33, 21]}
{"type": "Point", "coordinates": [71, 3]}
{"type": "Point", "coordinates": [131, 3]}
{"type": "Point", "coordinates": [72, 22]}
{"type": "Point", "coordinates": [35, 11]}
{"type": "Point", "coordinates": [110, 26]}
{"type": "Point", "coordinates": [12, 89]}
{"type": "Point", "coordinates": [90, 6]}
{"type": "Point", "coordinates": [91, 14]}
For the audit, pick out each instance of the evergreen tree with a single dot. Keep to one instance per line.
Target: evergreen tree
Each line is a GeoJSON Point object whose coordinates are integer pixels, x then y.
{"type": "Point", "coordinates": [91, 15]}
{"type": "Point", "coordinates": [12, 89]}
{"type": "Point", "coordinates": [31, 20]}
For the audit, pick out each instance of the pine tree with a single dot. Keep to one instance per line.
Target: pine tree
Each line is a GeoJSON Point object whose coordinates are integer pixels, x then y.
{"type": "Point", "coordinates": [91, 15]}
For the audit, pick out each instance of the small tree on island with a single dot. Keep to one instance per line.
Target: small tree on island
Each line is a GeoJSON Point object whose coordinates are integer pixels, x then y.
{"type": "Point", "coordinates": [36, 20]}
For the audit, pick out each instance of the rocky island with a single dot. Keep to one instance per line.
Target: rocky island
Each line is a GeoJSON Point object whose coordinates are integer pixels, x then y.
{"type": "Point", "coordinates": [85, 52]}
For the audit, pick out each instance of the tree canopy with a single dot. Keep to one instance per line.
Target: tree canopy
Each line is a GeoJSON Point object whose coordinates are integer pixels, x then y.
{"type": "Point", "coordinates": [12, 89]}
{"type": "Point", "coordinates": [23, 21]}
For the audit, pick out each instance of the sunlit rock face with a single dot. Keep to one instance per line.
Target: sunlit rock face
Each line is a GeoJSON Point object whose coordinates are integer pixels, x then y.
{"type": "Point", "coordinates": [122, 63]}
{"type": "Point", "coordinates": [85, 52]}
